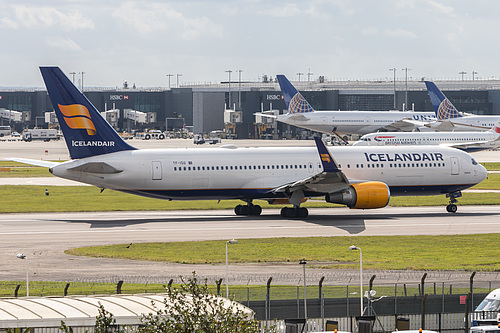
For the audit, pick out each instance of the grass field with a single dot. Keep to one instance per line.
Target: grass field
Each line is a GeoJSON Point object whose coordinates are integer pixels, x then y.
{"type": "Point", "coordinates": [15, 199]}
{"type": "Point", "coordinates": [455, 252]}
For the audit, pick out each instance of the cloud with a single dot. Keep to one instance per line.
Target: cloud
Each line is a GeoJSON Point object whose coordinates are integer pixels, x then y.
{"type": "Point", "coordinates": [34, 17]}
{"type": "Point", "coordinates": [442, 9]}
{"type": "Point", "coordinates": [400, 33]}
{"type": "Point", "coordinates": [370, 31]}
{"type": "Point", "coordinates": [159, 17]}
{"type": "Point", "coordinates": [66, 44]}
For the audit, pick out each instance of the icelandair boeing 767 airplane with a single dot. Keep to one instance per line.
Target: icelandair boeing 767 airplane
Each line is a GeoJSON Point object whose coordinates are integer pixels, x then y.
{"type": "Point", "coordinates": [359, 177]}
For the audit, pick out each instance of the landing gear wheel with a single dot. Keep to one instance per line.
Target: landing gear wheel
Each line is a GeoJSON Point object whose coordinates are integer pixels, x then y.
{"type": "Point", "coordinates": [451, 208]}
{"type": "Point", "coordinates": [255, 210]}
{"type": "Point", "coordinates": [302, 212]}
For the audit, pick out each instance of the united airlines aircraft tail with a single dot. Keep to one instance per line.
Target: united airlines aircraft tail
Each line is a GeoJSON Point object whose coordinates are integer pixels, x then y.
{"type": "Point", "coordinates": [295, 102]}
{"type": "Point", "coordinates": [443, 108]}
{"type": "Point", "coordinates": [86, 132]}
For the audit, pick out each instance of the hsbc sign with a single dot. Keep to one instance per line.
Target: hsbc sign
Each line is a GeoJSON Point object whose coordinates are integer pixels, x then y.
{"type": "Point", "coordinates": [118, 97]}
{"type": "Point", "coordinates": [273, 97]}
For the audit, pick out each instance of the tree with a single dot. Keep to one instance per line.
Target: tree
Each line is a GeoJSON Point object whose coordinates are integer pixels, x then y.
{"type": "Point", "coordinates": [191, 308]}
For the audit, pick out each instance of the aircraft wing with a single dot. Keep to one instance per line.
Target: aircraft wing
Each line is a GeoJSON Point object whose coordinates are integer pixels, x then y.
{"type": "Point", "coordinates": [40, 163]}
{"type": "Point", "coordinates": [323, 182]}
{"type": "Point", "coordinates": [331, 179]}
{"type": "Point", "coordinates": [404, 125]}
{"type": "Point", "coordinates": [444, 126]}
{"type": "Point", "coordinates": [472, 146]}
{"type": "Point", "coordinates": [265, 115]}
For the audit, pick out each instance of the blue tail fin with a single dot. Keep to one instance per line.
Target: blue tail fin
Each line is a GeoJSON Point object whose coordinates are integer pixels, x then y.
{"type": "Point", "coordinates": [86, 132]}
{"type": "Point", "coordinates": [442, 105]}
{"type": "Point", "coordinates": [294, 101]}
{"type": "Point", "coordinates": [329, 164]}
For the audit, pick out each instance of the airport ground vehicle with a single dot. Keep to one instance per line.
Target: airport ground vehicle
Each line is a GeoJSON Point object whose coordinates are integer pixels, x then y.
{"type": "Point", "coordinates": [485, 329]}
{"type": "Point", "coordinates": [4, 130]}
{"type": "Point", "coordinates": [199, 140]}
{"type": "Point", "coordinates": [40, 134]}
{"type": "Point", "coordinates": [150, 134]}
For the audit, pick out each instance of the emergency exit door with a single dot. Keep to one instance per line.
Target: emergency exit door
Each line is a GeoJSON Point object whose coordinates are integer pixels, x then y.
{"type": "Point", "coordinates": [157, 172]}
{"type": "Point", "coordinates": [454, 165]}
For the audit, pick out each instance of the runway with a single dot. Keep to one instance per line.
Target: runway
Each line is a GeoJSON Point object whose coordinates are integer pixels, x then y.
{"type": "Point", "coordinates": [44, 237]}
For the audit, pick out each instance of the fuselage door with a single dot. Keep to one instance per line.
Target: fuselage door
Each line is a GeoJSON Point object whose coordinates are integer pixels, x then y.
{"type": "Point", "coordinates": [156, 168]}
{"type": "Point", "coordinates": [454, 165]}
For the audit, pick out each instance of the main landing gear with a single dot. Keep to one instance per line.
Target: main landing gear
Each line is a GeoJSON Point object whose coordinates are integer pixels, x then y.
{"type": "Point", "coordinates": [452, 208]}
{"type": "Point", "coordinates": [248, 210]}
{"type": "Point", "coordinates": [294, 212]}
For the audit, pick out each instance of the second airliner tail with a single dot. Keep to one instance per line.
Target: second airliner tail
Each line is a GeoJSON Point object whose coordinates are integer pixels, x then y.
{"type": "Point", "coordinates": [86, 132]}
{"type": "Point", "coordinates": [294, 101]}
{"type": "Point", "coordinates": [443, 108]}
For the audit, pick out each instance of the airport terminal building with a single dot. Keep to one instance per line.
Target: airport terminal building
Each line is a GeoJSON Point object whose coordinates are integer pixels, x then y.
{"type": "Point", "coordinates": [231, 107]}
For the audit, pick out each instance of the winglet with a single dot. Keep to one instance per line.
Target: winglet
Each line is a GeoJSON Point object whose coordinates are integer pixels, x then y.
{"type": "Point", "coordinates": [294, 101]}
{"type": "Point", "coordinates": [443, 108]}
{"type": "Point", "coordinates": [86, 132]}
{"type": "Point", "coordinates": [329, 164]}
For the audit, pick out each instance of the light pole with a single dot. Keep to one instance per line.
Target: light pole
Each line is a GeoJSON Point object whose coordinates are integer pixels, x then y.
{"type": "Point", "coordinates": [394, 81]}
{"type": "Point", "coordinates": [406, 86]}
{"type": "Point", "coordinates": [303, 263]}
{"type": "Point", "coordinates": [82, 79]}
{"type": "Point", "coordinates": [352, 247]}
{"type": "Point", "coordinates": [169, 76]}
{"type": "Point", "coordinates": [232, 241]}
{"type": "Point", "coordinates": [23, 256]}
{"type": "Point", "coordinates": [229, 87]}
{"type": "Point", "coordinates": [178, 75]}
{"type": "Point", "coordinates": [462, 73]}
{"type": "Point", "coordinates": [473, 72]}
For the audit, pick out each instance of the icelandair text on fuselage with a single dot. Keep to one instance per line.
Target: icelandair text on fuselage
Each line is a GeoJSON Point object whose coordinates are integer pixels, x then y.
{"type": "Point", "coordinates": [405, 157]}
{"type": "Point", "coordinates": [92, 143]}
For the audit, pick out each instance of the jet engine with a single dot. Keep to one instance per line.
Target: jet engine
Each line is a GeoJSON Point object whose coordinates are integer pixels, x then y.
{"type": "Point", "coordinates": [365, 195]}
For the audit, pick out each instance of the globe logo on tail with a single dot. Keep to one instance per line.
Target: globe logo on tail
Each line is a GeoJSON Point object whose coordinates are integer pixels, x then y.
{"type": "Point", "coordinates": [77, 116]}
{"type": "Point", "coordinates": [298, 104]}
{"type": "Point", "coordinates": [446, 110]}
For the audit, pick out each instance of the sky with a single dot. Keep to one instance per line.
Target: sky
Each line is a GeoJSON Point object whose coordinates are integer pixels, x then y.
{"type": "Point", "coordinates": [144, 41]}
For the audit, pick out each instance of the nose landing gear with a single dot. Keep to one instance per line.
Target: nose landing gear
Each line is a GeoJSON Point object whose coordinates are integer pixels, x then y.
{"type": "Point", "coordinates": [452, 208]}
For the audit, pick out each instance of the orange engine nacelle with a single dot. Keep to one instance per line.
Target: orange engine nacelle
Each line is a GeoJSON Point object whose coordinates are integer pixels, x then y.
{"type": "Point", "coordinates": [366, 195]}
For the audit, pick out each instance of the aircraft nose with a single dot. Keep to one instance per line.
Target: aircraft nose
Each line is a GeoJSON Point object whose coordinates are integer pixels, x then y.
{"type": "Point", "coordinates": [483, 173]}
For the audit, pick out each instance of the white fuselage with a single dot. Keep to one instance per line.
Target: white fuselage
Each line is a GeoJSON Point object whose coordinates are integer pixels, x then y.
{"type": "Point", "coordinates": [477, 140]}
{"type": "Point", "coordinates": [252, 173]}
{"type": "Point", "coordinates": [352, 122]}
{"type": "Point", "coordinates": [469, 123]}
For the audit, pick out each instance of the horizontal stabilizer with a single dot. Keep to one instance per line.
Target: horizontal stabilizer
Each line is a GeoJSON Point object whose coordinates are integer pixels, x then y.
{"type": "Point", "coordinates": [96, 167]}
{"type": "Point", "coordinates": [40, 163]}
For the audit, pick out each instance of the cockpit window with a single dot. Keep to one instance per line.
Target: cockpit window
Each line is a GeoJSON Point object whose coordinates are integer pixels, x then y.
{"type": "Point", "coordinates": [489, 305]}
{"type": "Point", "coordinates": [473, 161]}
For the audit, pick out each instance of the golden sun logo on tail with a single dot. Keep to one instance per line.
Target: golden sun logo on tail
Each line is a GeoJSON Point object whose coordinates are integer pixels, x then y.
{"type": "Point", "coordinates": [77, 116]}
{"type": "Point", "coordinates": [325, 158]}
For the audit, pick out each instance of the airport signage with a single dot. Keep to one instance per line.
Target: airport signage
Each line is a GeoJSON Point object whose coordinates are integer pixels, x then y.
{"type": "Point", "coordinates": [273, 97]}
{"type": "Point", "coordinates": [118, 97]}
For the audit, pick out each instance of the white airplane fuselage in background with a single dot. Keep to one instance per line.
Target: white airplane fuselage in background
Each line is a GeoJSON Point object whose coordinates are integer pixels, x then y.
{"type": "Point", "coordinates": [355, 122]}
{"type": "Point", "coordinates": [469, 141]}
